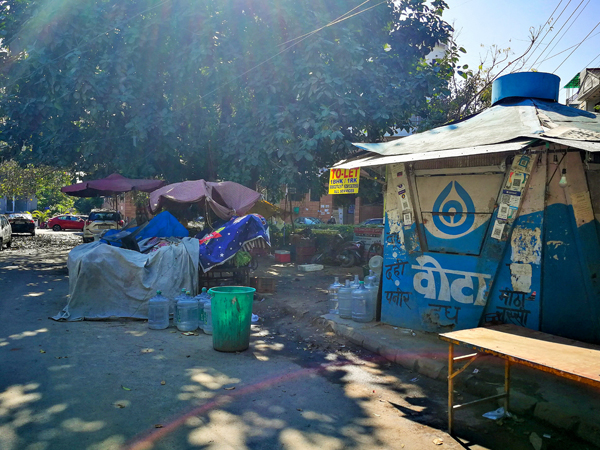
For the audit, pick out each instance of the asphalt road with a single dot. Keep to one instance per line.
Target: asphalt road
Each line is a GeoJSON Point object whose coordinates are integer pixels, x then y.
{"type": "Point", "coordinates": [118, 385]}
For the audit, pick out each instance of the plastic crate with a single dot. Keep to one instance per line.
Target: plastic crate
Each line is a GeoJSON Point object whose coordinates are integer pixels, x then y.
{"type": "Point", "coordinates": [264, 285]}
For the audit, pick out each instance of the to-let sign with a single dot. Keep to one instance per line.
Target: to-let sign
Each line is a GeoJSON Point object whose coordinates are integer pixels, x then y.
{"type": "Point", "coordinates": [343, 181]}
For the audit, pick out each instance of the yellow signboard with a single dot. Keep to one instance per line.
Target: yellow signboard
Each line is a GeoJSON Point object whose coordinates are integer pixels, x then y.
{"type": "Point", "coordinates": [343, 181]}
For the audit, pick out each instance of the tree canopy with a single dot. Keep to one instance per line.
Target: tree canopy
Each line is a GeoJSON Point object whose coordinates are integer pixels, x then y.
{"type": "Point", "coordinates": [262, 91]}
{"type": "Point", "coordinates": [42, 181]}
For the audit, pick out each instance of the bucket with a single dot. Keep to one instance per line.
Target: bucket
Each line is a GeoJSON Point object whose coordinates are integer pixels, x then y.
{"type": "Point", "coordinates": [231, 309]}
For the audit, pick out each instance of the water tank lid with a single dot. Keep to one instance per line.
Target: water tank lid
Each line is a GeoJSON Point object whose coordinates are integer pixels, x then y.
{"type": "Point", "coordinates": [539, 85]}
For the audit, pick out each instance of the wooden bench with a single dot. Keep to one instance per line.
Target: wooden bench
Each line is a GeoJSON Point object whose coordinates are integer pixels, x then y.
{"type": "Point", "coordinates": [567, 358]}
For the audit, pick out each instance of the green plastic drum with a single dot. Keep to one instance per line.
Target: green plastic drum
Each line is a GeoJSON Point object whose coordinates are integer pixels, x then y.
{"type": "Point", "coordinates": [231, 308]}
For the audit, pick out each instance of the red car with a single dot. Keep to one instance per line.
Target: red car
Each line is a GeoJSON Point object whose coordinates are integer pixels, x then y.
{"type": "Point", "coordinates": [66, 222]}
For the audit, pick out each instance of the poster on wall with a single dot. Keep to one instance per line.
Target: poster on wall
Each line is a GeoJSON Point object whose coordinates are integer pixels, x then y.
{"type": "Point", "coordinates": [344, 181]}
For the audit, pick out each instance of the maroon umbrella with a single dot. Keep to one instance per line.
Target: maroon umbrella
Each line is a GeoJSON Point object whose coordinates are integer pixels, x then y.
{"type": "Point", "coordinates": [226, 198]}
{"type": "Point", "coordinates": [111, 185]}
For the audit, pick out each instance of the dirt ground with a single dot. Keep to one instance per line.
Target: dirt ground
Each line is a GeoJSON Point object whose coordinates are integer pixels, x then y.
{"type": "Point", "coordinates": [299, 386]}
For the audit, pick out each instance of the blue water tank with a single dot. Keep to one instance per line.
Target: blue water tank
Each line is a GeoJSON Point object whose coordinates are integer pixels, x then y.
{"type": "Point", "coordinates": [540, 85]}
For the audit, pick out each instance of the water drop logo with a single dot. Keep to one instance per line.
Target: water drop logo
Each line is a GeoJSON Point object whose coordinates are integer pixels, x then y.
{"type": "Point", "coordinates": [453, 202]}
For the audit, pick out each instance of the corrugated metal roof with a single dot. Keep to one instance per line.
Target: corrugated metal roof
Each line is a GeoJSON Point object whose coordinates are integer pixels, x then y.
{"type": "Point", "coordinates": [378, 160]}
{"type": "Point", "coordinates": [504, 127]}
{"type": "Point", "coordinates": [581, 145]}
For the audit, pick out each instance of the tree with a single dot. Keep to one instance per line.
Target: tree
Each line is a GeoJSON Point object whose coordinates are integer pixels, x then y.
{"type": "Point", "coordinates": [42, 181]}
{"type": "Point", "coordinates": [215, 89]}
{"type": "Point", "coordinates": [469, 91]}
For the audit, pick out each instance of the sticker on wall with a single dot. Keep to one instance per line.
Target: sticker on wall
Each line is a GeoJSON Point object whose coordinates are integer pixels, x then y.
{"type": "Point", "coordinates": [582, 208]}
{"type": "Point", "coordinates": [401, 189]}
{"type": "Point", "coordinates": [520, 277]}
{"type": "Point", "coordinates": [503, 211]}
{"type": "Point", "coordinates": [407, 218]}
{"type": "Point", "coordinates": [511, 198]}
{"type": "Point", "coordinates": [497, 230]}
{"type": "Point", "coordinates": [516, 181]}
{"type": "Point", "coordinates": [404, 202]}
{"type": "Point", "coordinates": [393, 221]}
{"type": "Point", "coordinates": [522, 163]}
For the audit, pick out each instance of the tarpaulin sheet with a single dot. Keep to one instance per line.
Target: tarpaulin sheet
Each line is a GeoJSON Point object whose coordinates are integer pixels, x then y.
{"type": "Point", "coordinates": [499, 124]}
{"type": "Point", "coordinates": [224, 242]}
{"type": "Point", "coordinates": [111, 185]}
{"type": "Point", "coordinates": [162, 225]}
{"type": "Point", "coordinates": [225, 198]}
{"type": "Point", "coordinates": [106, 281]}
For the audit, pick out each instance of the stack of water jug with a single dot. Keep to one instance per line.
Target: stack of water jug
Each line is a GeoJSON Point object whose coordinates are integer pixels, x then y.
{"type": "Point", "coordinates": [188, 313]}
{"type": "Point", "coordinates": [356, 300]}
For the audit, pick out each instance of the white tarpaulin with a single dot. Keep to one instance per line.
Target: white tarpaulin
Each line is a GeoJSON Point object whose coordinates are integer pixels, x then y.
{"type": "Point", "coordinates": [106, 281]}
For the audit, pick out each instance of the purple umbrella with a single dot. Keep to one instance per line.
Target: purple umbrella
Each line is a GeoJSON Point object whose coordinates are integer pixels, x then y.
{"type": "Point", "coordinates": [111, 185]}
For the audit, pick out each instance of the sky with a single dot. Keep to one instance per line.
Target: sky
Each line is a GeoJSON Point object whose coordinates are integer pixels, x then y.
{"type": "Point", "coordinates": [480, 24]}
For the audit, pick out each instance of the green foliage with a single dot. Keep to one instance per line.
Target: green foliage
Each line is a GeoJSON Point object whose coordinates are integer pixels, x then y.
{"type": "Point", "coordinates": [468, 93]}
{"type": "Point", "coordinates": [85, 205]}
{"type": "Point", "coordinates": [241, 259]}
{"type": "Point", "coordinates": [42, 181]}
{"type": "Point", "coordinates": [42, 216]}
{"type": "Point", "coordinates": [214, 89]}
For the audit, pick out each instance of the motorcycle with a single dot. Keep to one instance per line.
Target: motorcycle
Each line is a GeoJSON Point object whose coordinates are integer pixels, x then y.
{"type": "Point", "coordinates": [345, 254]}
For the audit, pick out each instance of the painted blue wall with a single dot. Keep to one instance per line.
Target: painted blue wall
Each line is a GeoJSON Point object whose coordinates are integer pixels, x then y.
{"type": "Point", "coordinates": [543, 273]}
{"type": "Point", "coordinates": [507, 304]}
{"type": "Point", "coordinates": [571, 292]}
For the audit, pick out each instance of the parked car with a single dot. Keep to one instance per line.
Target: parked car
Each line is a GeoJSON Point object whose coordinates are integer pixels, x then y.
{"type": "Point", "coordinates": [307, 221]}
{"type": "Point", "coordinates": [66, 222]}
{"type": "Point", "coordinates": [5, 232]}
{"type": "Point", "coordinates": [372, 222]}
{"type": "Point", "coordinates": [22, 223]}
{"type": "Point", "coordinates": [99, 221]}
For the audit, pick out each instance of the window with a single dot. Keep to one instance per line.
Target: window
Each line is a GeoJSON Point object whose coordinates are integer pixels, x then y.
{"type": "Point", "coordinates": [314, 196]}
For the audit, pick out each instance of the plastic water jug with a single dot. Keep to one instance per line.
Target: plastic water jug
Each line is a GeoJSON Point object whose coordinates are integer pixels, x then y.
{"type": "Point", "coordinates": [208, 325]}
{"type": "Point", "coordinates": [173, 306]}
{"type": "Point", "coordinates": [202, 298]}
{"type": "Point", "coordinates": [158, 312]}
{"type": "Point", "coordinates": [376, 264]}
{"type": "Point", "coordinates": [332, 295]}
{"type": "Point", "coordinates": [356, 282]}
{"type": "Point", "coordinates": [187, 313]}
{"type": "Point", "coordinates": [345, 300]}
{"type": "Point", "coordinates": [362, 311]}
{"type": "Point", "coordinates": [374, 290]}
{"type": "Point", "coordinates": [373, 278]}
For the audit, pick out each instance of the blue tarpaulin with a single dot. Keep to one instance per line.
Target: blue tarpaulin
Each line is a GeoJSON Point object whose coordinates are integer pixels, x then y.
{"type": "Point", "coordinates": [162, 225]}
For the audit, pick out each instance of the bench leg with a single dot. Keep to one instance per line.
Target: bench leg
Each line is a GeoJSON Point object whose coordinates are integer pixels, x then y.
{"type": "Point", "coordinates": [506, 386]}
{"type": "Point", "coordinates": [450, 387]}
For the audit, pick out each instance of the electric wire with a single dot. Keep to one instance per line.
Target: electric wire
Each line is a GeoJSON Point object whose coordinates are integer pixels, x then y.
{"type": "Point", "coordinates": [593, 59]}
{"type": "Point", "coordinates": [329, 24]}
{"type": "Point", "coordinates": [578, 45]}
{"type": "Point", "coordinates": [556, 35]}
{"type": "Point", "coordinates": [566, 49]}
{"type": "Point", "coordinates": [549, 29]}
{"type": "Point", "coordinates": [566, 31]}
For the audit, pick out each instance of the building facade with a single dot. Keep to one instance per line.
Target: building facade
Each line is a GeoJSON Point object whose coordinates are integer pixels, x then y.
{"type": "Point", "coordinates": [496, 219]}
{"type": "Point", "coordinates": [17, 204]}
